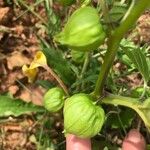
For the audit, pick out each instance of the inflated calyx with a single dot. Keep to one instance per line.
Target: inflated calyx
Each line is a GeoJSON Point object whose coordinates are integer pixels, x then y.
{"type": "Point", "coordinates": [54, 99]}
{"type": "Point", "coordinates": [82, 117]}
{"type": "Point", "coordinates": [83, 31]}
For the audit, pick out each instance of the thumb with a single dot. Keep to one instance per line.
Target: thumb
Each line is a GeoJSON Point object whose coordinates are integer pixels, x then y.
{"type": "Point", "coordinates": [134, 141]}
{"type": "Point", "coordinates": [75, 143]}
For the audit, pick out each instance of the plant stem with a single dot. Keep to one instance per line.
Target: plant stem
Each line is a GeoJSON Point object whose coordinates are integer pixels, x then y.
{"type": "Point", "coordinates": [113, 44]}
{"type": "Point", "coordinates": [129, 9]}
{"type": "Point", "coordinates": [60, 82]}
{"type": "Point", "coordinates": [84, 68]}
{"type": "Point", "coordinates": [141, 98]}
{"type": "Point", "coordinates": [29, 8]}
{"type": "Point", "coordinates": [85, 3]}
{"type": "Point", "coordinates": [105, 11]}
{"type": "Point", "coordinates": [121, 123]}
{"type": "Point", "coordinates": [85, 65]}
{"type": "Point", "coordinates": [144, 91]}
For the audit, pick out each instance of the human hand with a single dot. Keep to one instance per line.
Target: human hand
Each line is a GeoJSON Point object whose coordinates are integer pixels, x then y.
{"type": "Point", "coordinates": [133, 141]}
{"type": "Point", "coordinates": [75, 143]}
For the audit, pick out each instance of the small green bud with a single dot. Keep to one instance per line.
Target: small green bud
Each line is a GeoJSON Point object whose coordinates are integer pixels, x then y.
{"type": "Point", "coordinates": [54, 99]}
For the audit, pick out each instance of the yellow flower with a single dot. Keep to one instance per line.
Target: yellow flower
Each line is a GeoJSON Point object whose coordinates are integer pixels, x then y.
{"type": "Point", "coordinates": [39, 60]}
{"type": "Point", "coordinates": [30, 73]}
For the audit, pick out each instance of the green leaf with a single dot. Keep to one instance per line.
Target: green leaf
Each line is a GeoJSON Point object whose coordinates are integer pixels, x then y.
{"type": "Point", "coordinates": [141, 108]}
{"type": "Point", "coordinates": [125, 59]}
{"type": "Point", "coordinates": [148, 63]}
{"type": "Point", "coordinates": [91, 78]}
{"type": "Point", "coordinates": [145, 109]}
{"type": "Point", "coordinates": [57, 62]}
{"type": "Point", "coordinates": [53, 21]}
{"type": "Point", "coordinates": [45, 84]}
{"type": "Point", "coordinates": [117, 12]}
{"type": "Point", "coordinates": [126, 43]}
{"type": "Point", "coordinates": [140, 62]}
{"type": "Point", "coordinates": [16, 107]}
{"type": "Point", "coordinates": [126, 118]}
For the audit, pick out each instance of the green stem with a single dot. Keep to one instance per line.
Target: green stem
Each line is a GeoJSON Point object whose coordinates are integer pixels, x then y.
{"type": "Point", "coordinates": [60, 82]}
{"type": "Point", "coordinates": [144, 90]}
{"type": "Point", "coordinates": [84, 68]}
{"type": "Point", "coordinates": [130, 8]}
{"type": "Point", "coordinates": [141, 98]}
{"type": "Point", "coordinates": [29, 8]}
{"type": "Point", "coordinates": [85, 65]}
{"type": "Point", "coordinates": [113, 44]}
{"type": "Point", "coordinates": [85, 3]}
{"type": "Point", "coordinates": [121, 123]}
{"type": "Point", "coordinates": [105, 11]}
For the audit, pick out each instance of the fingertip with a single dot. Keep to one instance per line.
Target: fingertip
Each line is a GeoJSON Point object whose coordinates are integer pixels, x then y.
{"type": "Point", "coordinates": [134, 141]}
{"type": "Point", "coordinates": [75, 143]}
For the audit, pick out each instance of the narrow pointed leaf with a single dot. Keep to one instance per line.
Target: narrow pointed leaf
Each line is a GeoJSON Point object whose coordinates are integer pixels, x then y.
{"type": "Point", "coordinates": [140, 62]}
{"type": "Point", "coordinates": [142, 109]}
{"type": "Point", "coordinates": [17, 107]}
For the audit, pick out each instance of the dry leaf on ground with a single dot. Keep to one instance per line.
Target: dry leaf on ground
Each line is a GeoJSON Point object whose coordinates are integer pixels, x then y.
{"type": "Point", "coordinates": [16, 60]}
{"type": "Point", "coordinates": [3, 12]}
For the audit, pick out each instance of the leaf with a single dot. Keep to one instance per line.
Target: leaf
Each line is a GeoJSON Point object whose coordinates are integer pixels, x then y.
{"type": "Point", "coordinates": [3, 12]}
{"type": "Point", "coordinates": [16, 107]}
{"type": "Point", "coordinates": [58, 63]}
{"type": "Point", "coordinates": [126, 118]}
{"type": "Point", "coordinates": [141, 108]}
{"type": "Point", "coordinates": [145, 109]}
{"type": "Point", "coordinates": [125, 59]}
{"type": "Point", "coordinates": [117, 12]}
{"type": "Point", "coordinates": [140, 62]}
{"type": "Point", "coordinates": [53, 21]}
{"type": "Point", "coordinates": [90, 78]}
{"type": "Point", "coordinates": [45, 84]}
{"type": "Point", "coordinates": [148, 63]}
{"type": "Point", "coordinates": [126, 43]}
{"type": "Point", "coordinates": [16, 59]}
